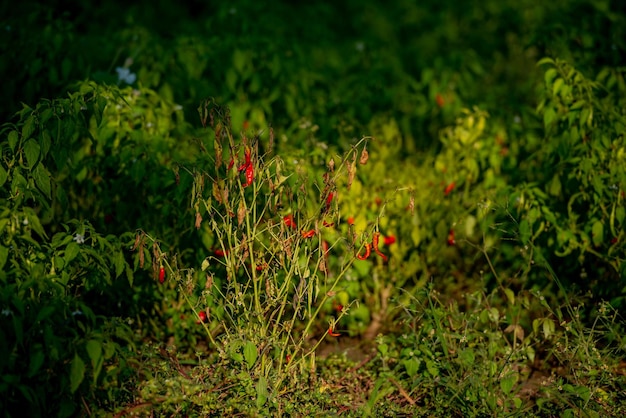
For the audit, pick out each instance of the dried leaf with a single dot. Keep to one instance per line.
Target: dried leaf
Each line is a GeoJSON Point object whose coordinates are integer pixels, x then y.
{"type": "Point", "coordinates": [364, 156]}
{"type": "Point", "coordinates": [142, 256]}
{"type": "Point", "coordinates": [241, 213]}
{"type": "Point", "coordinates": [517, 330]}
{"type": "Point", "coordinates": [351, 172]}
{"type": "Point", "coordinates": [198, 220]}
{"type": "Point", "coordinates": [322, 265]}
{"type": "Point", "coordinates": [271, 144]}
{"type": "Point", "coordinates": [137, 241]}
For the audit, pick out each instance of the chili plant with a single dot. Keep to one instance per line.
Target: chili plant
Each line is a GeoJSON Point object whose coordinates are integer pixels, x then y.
{"type": "Point", "coordinates": [275, 261]}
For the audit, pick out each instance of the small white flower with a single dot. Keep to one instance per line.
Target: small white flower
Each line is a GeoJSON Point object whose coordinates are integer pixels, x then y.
{"type": "Point", "coordinates": [517, 119]}
{"type": "Point", "coordinates": [25, 221]}
{"type": "Point", "coordinates": [77, 312]}
{"type": "Point", "coordinates": [360, 46]}
{"type": "Point", "coordinates": [6, 312]}
{"type": "Point", "coordinates": [79, 238]}
{"type": "Point", "coordinates": [124, 74]}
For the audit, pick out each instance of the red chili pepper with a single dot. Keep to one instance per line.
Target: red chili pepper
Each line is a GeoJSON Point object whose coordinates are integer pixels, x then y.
{"type": "Point", "coordinates": [451, 240]}
{"type": "Point", "coordinates": [378, 201]}
{"type": "Point", "coordinates": [248, 161]}
{"type": "Point", "coordinates": [440, 101]}
{"type": "Point", "coordinates": [249, 175]}
{"type": "Point", "coordinates": [289, 222]}
{"type": "Point", "coordinates": [219, 252]}
{"type": "Point", "coordinates": [389, 240]}
{"type": "Point", "coordinates": [329, 199]}
{"type": "Point", "coordinates": [161, 274]}
{"type": "Point", "coordinates": [201, 317]}
{"type": "Point", "coordinates": [351, 221]}
{"type": "Point", "coordinates": [375, 243]}
{"type": "Point", "coordinates": [368, 250]}
{"type": "Point", "coordinates": [332, 333]}
{"type": "Point", "coordinates": [449, 188]}
{"type": "Point", "coordinates": [327, 224]}
{"type": "Point", "coordinates": [288, 358]}
{"type": "Point", "coordinates": [308, 234]}
{"type": "Point", "coordinates": [231, 163]}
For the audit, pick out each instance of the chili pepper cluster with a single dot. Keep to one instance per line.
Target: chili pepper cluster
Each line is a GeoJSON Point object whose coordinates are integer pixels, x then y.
{"type": "Point", "coordinates": [374, 245]}
{"type": "Point", "coordinates": [247, 167]}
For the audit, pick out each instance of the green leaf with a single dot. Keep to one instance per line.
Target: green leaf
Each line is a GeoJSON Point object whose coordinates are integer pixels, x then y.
{"type": "Point", "coordinates": [32, 152]}
{"type": "Point", "coordinates": [71, 251]}
{"type": "Point", "coordinates": [36, 360]}
{"type": "Point", "coordinates": [46, 143]}
{"type": "Point", "coordinates": [524, 231]}
{"type": "Point", "coordinates": [29, 127]}
{"type": "Point", "coordinates": [250, 353]}
{"type": "Point", "coordinates": [261, 392]}
{"type": "Point", "coordinates": [98, 109]}
{"type": "Point", "coordinates": [4, 254]}
{"type": "Point", "coordinates": [510, 295]}
{"type": "Point", "coordinates": [3, 175]}
{"type": "Point", "coordinates": [549, 76]}
{"type": "Point", "coordinates": [94, 350]}
{"type": "Point", "coordinates": [558, 83]}
{"type": "Point", "coordinates": [412, 366]}
{"type": "Point", "coordinates": [45, 312]}
{"type": "Point", "coordinates": [597, 233]}
{"type": "Point", "coordinates": [548, 117]}
{"type": "Point", "coordinates": [42, 180]}
{"type": "Point", "coordinates": [546, 60]}
{"type": "Point", "coordinates": [548, 327]}
{"type": "Point", "coordinates": [555, 186]}
{"type": "Point", "coordinates": [13, 138]}
{"type": "Point", "coordinates": [77, 373]}
{"type": "Point", "coordinates": [129, 275]}
{"type": "Point", "coordinates": [239, 60]}
{"type": "Point", "coordinates": [506, 384]}
{"type": "Point", "coordinates": [118, 262]}
{"type": "Point", "coordinates": [467, 357]}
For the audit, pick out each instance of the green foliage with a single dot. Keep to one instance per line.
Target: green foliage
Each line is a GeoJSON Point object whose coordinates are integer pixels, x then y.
{"type": "Point", "coordinates": [451, 244]}
{"type": "Point", "coordinates": [575, 209]}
